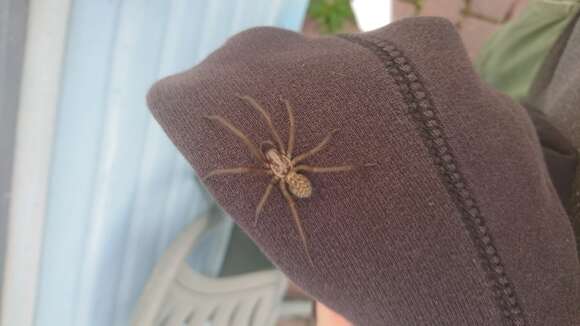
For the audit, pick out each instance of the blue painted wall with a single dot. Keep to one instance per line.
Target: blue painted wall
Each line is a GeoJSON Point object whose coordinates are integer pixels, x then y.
{"type": "Point", "coordinates": [119, 190]}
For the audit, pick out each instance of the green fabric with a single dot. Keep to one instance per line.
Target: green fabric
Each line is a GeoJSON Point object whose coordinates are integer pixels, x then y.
{"type": "Point", "coordinates": [511, 58]}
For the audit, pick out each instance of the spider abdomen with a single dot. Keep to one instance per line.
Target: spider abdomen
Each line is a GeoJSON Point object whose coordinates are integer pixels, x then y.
{"type": "Point", "coordinates": [299, 185]}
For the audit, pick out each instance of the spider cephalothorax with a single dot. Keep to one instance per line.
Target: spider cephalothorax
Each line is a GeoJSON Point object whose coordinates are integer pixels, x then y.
{"type": "Point", "coordinates": [277, 160]}
{"type": "Point", "coordinates": [283, 168]}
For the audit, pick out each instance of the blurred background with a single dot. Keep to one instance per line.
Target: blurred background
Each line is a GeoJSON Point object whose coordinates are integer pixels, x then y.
{"type": "Point", "coordinates": [94, 197]}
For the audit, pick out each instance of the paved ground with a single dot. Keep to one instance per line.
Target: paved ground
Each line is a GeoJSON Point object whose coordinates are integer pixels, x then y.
{"type": "Point", "coordinates": [476, 26]}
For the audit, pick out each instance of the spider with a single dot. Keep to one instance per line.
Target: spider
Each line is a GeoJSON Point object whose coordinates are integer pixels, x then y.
{"type": "Point", "coordinates": [278, 161]}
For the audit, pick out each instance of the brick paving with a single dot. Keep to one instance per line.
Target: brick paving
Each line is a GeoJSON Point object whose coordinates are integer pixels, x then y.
{"type": "Point", "coordinates": [474, 31]}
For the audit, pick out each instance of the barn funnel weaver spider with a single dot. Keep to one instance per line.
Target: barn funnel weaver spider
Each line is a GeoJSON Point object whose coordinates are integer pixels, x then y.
{"type": "Point", "coordinates": [278, 161]}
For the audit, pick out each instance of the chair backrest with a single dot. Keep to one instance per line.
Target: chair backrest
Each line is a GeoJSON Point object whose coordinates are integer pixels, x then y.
{"type": "Point", "coordinates": [176, 295]}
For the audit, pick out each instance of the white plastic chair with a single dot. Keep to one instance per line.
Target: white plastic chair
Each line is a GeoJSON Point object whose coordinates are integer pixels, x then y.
{"type": "Point", "coordinates": [176, 295]}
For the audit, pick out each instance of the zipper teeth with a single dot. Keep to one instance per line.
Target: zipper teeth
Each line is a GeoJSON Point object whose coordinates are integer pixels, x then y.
{"type": "Point", "coordinates": [423, 112]}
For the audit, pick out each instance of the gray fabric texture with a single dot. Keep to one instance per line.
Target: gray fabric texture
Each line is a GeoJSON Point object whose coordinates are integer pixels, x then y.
{"type": "Point", "coordinates": [457, 223]}
{"type": "Point", "coordinates": [556, 93]}
{"type": "Point", "coordinates": [560, 155]}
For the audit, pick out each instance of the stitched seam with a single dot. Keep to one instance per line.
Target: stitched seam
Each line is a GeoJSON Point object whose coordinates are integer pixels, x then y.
{"type": "Point", "coordinates": [423, 112]}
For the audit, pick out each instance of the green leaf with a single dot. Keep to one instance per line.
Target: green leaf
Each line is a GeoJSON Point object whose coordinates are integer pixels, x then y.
{"type": "Point", "coordinates": [330, 14]}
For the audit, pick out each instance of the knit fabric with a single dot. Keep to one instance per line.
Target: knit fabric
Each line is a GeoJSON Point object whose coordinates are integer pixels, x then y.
{"type": "Point", "coordinates": [449, 217]}
{"type": "Point", "coordinates": [556, 93]}
{"type": "Point", "coordinates": [560, 155]}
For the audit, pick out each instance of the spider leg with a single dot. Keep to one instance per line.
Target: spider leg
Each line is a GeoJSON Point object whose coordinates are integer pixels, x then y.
{"type": "Point", "coordinates": [239, 170]}
{"type": "Point", "coordinates": [268, 119]}
{"type": "Point", "coordinates": [316, 149]}
{"type": "Point", "coordinates": [297, 221]}
{"type": "Point", "coordinates": [264, 198]}
{"type": "Point", "coordinates": [323, 169]}
{"type": "Point", "coordinates": [239, 134]}
{"type": "Point", "coordinates": [291, 127]}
